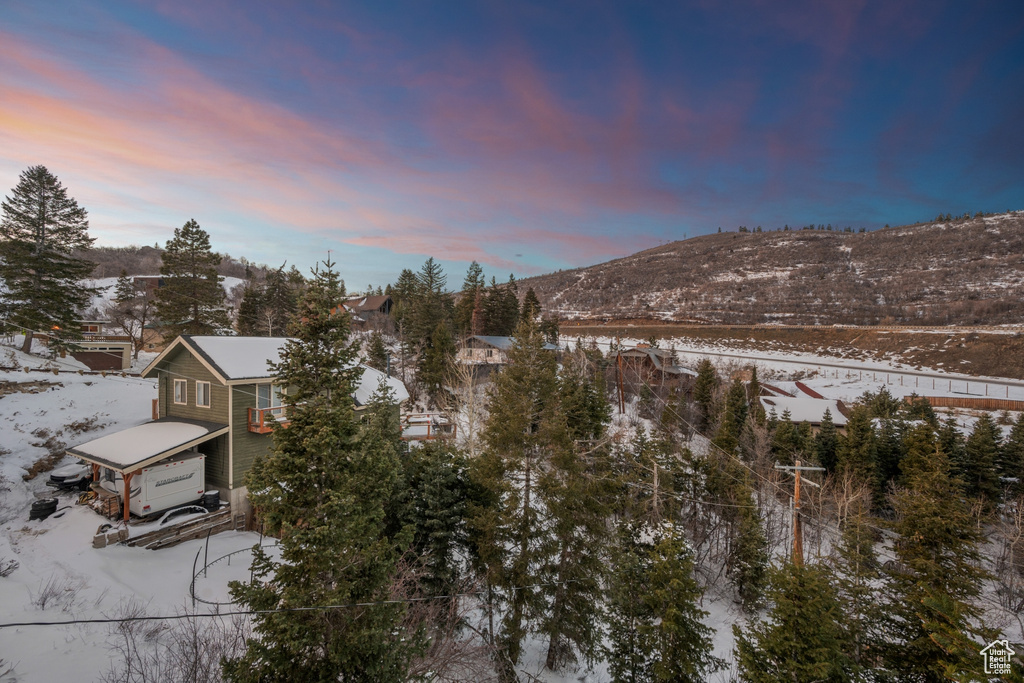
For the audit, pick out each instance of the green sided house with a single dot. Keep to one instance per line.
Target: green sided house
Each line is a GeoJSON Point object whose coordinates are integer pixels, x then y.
{"type": "Point", "coordinates": [216, 401]}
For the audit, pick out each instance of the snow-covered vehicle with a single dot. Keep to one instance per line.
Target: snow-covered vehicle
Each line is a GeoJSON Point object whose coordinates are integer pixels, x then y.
{"type": "Point", "coordinates": [75, 476]}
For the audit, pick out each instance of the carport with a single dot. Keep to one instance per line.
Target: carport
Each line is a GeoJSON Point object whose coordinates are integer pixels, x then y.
{"type": "Point", "coordinates": [130, 450]}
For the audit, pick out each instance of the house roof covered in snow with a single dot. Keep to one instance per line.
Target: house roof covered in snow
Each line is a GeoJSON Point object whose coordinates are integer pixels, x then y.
{"type": "Point", "coordinates": [149, 443]}
{"type": "Point", "coordinates": [504, 343]}
{"type": "Point", "coordinates": [244, 360]}
{"type": "Point", "coordinates": [804, 409]}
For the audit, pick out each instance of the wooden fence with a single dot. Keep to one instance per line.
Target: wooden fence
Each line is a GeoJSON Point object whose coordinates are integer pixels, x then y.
{"type": "Point", "coordinates": [974, 403]}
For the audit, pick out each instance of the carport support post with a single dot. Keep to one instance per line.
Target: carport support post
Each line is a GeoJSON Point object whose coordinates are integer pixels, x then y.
{"type": "Point", "coordinates": [127, 494]}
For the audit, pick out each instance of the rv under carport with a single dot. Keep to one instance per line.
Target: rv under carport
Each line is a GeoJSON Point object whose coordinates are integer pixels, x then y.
{"type": "Point", "coordinates": [129, 451]}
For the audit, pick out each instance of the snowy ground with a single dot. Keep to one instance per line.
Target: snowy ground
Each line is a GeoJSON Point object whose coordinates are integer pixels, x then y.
{"type": "Point", "coordinates": [56, 559]}
{"type": "Point", "coordinates": [55, 556]}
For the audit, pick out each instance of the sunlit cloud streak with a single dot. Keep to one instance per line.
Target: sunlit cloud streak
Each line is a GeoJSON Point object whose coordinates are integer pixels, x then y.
{"type": "Point", "coordinates": [483, 132]}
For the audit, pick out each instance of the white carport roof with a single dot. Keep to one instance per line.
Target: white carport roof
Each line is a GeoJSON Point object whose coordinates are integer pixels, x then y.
{"type": "Point", "coordinates": [137, 447]}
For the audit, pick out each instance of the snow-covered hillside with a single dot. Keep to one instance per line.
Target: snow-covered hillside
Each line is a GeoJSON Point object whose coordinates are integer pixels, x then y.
{"type": "Point", "coordinates": [106, 290]}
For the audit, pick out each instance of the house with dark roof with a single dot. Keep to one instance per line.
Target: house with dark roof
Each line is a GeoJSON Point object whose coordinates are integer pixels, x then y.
{"type": "Point", "coordinates": [367, 309]}
{"type": "Point", "coordinates": [215, 396]}
{"type": "Point", "coordinates": [655, 368]}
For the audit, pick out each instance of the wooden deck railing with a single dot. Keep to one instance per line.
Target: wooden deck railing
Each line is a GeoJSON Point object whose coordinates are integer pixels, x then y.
{"type": "Point", "coordinates": [262, 420]}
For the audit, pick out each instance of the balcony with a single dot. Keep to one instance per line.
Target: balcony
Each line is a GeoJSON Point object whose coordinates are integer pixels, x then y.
{"type": "Point", "coordinates": [426, 427]}
{"type": "Point", "coordinates": [262, 420]}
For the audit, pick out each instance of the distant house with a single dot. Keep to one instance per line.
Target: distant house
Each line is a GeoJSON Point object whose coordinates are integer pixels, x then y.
{"type": "Point", "coordinates": [656, 368]}
{"type": "Point", "coordinates": [488, 350]}
{"type": "Point", "coordinates": [368, 309]}
{"type": "Point", "coordinates": [215, 395]}
{"type": "Point", "coordinates": [147, 283]}
{"type": "Point", "coordinates": [98, 348]}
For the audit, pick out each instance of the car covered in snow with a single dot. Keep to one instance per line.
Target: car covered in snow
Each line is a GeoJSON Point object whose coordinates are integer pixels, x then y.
{"type": "Point", "coordinates": [78, 475]}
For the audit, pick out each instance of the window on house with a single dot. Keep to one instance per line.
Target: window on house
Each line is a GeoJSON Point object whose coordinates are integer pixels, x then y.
{"type": "Point", "coordinates": [203, 394]}
{"type": "Point", "coordinates": [180, 392]}
{"type": "Point", "coordinates": [270, 396]}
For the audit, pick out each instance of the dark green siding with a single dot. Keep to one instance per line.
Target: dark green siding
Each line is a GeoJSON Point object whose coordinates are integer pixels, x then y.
{"type": "Point", "coordinates": [181, 364]}
{"type": "Point", "coordinates": [248, 446]}
{"type": "Point", "coordinates": [216, 451]}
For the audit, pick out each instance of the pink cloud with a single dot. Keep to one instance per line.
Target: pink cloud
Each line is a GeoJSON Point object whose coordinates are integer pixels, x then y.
{"type": "Point", "coordinates": [167, 134]}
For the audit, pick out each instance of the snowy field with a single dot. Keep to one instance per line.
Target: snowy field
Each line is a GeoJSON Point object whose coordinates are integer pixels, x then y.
{"type": "Point", "coordinates": [61, 577]}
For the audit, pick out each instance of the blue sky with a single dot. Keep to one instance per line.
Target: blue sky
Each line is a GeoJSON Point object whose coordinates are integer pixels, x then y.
{"type": "Point", "coordinates": [527, 136]}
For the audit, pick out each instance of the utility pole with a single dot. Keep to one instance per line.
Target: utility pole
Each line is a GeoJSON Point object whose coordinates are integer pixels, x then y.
{"type": "Point", "coordinates": [618, 374]}
{"type": "Point", "coordinates": [798, 537]}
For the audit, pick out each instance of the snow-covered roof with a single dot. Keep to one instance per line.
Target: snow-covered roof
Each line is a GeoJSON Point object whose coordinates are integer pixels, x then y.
{"type": "Point", "coordinates": [804, 408]}
{"type": "Point", "coordinates": [505, 343]}
{"type": "Point", "coordinates": [137, 447]}
{"type": "Point", "coordinates": [236, 360]}
{"type": "Point", "coordinates": [369, 382]}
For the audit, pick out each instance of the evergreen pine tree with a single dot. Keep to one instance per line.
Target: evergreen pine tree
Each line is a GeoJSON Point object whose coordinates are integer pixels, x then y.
{"type": "Point", "coordinates": [754, 392]}
{"type": "Point", "coordinates": [889, 451]}
{"type": "Point", "coordinates": [919, 408]}
{"type": "Point", "coordinates": [279, 302]}
{"type": "Point", "coordinates": [323, 491]}
{"type": "Point", "coordinates": [857, 452]}
{"type": "Point", "coordinates": [826, 443]}
{"type": "Point", "coordinates": [505, 516]}
{"type": "Point", "coordinates": [788, 443]}
{"type": "Point", "coordinates": [377, 352]}
{"type": "Point", "coordinates": [191, 300]}
{"type": "Point", "coordinates": [549, 328]}
{"type": "Point", "coordinates": [951, 441]}
{"type": "Point", "coordinates": [531, 305]}
{"type": "Point", "coordinates": [41, 228]}
{"type": "Point", "coordinates": [250, 309]}
{"type": "Point", "coordinates": [436, 363]}
{"type": "Point", "coordinates": [574, 488]}
{"type": "Point", "coordinates": [582, 397]}
{"type": "Point", "coordinates": [937, 558]}
{"type": "Point", "coordinates": [655, 627]}
{"type": "Point", "coordinates": [403, 293]}
{"type": "Point", "coordinates": [1011, 458]}
{"type": "Point", "coordinates": [436, 477]}
{"type": "Point", "coordinates": [736, 408]}
{"type": "Point", "coordinates": [501, 308]}
{"type": "Point", "coordinates": [704, 389]}
{"type": "Point", "coordinates": [803, 639]}
{"type": "Point", "coordinates": [430, 306]}
{"type": "Point", "coordinates": [982, 453]}
{"type": "Point", "coordinates": [472, 286]}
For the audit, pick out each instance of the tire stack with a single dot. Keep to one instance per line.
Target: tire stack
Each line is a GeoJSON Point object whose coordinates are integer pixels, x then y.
{"type": "Point", "coordinates": [43, 508]}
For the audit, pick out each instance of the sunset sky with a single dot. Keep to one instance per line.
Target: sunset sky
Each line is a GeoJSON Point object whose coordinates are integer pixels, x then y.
{"type": "Point", "coordinates": [529, 136]}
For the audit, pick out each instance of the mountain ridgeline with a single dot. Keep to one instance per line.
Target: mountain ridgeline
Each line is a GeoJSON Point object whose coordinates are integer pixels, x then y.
{"type": "Point", "coordinates": [958, 272]}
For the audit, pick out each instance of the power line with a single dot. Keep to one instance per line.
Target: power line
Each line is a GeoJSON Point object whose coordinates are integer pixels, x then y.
{"type": "Point", "coordinates": [314, 608]}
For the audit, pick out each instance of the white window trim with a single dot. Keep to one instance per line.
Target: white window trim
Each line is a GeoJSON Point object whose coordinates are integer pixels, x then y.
{"type": "Point", "coordinates": [277, 399]}
{"type": "Point", "coordinates": [184, 392]}
{"type": "Point", "coordinates": [209, 398]}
